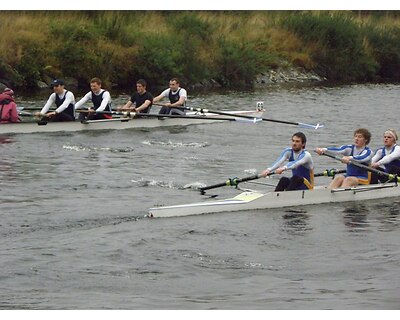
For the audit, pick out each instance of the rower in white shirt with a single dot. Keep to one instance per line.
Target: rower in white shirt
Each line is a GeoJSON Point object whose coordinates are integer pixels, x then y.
{"type": "Point", "coordinates": [177, 98]}
{"type": "Point", "coordinates": [386, 158]}
{"type": "Point", "coordinates": [63, 99]}
{"type": "Point", "coordinates": [101, 100]}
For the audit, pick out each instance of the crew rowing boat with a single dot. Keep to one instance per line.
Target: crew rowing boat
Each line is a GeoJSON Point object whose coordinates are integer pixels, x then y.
{"type": "Point", "coordinates": [150, 121]}
{"type": "Point", "coordinates": [253, 200]}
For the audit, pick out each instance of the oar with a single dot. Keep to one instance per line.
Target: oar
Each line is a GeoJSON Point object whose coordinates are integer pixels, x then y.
{"type": "Point", "coordinates": [25, 114]}
{"type": "Point", "coordinates": [300, 124]}
{"type": "Point", "coordinates": [392, 177]}
{"type": "Point", "coordinates": [152, 115]}
{"type": "Point", "coordinates": [233, 182]}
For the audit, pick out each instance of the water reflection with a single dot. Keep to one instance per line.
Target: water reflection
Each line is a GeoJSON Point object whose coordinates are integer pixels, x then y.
{"type": "Point", "coordinates": [295, 221]}
{"type": "Point", "coordinates": [5, 139]}
{"type": "Point", "coordinates": [388, 214]}
{"type": "Point", "coordinates": [355, 217]}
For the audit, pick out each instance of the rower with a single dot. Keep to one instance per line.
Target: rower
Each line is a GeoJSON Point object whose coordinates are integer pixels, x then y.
{"type": "Point", "coordinates": [387, 158]}
{"type": "Point", "coordinates": [177, 98]}
{"type": "Point", "coordinates": [141, 101]}
{"type": "Point", "coordinates": [63, 99]}
{"type": "Point", "coordinates": [8, 107]}
{"type": "Point", "coordinates": [299, 161]}
{"type": "Point", "coordinates": [359, 152]}
{"type": "Point", "coordinates": [101, 100]}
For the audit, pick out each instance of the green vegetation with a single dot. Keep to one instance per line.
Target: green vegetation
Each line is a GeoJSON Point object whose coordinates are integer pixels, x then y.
{"type": "Point", "coordinates": [231, 47]}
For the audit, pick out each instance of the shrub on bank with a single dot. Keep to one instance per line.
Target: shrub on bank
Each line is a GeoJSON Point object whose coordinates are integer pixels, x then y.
{"type": "Point", "coordinates": [230, 47]}
{"type": "Point", "coordinates": [340, 52]}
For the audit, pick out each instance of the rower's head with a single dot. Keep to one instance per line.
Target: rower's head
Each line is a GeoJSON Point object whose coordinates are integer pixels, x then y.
{"type": "Point", "coordinates": [141, 85]}
{"type": "Point", "coordinates": [390, 138]}
{"type": "Point", "coordinates": [95, 84]}
{"type": "Point", "coordinates": [299, 141]}
{"type": "Point", "coordinates": [174, 84]}
{"type": "Point", "coordinates": [9, 92]}
{"type": "Point", "coordinates": [361, 137]}
{"type": "Point", "coordinates": [58, 86]}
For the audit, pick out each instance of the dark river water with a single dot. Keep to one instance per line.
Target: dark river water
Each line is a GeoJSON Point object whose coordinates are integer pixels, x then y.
{"type": "Point", "coordinates": [72, 206]}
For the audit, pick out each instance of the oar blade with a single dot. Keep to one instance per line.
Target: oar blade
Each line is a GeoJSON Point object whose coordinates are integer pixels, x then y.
{"type": "Point", "coordinates": [311, 126]}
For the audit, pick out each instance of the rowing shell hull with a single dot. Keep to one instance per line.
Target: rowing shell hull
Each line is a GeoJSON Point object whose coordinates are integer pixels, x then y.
{"type": "Point", "coordinates": [251, 200]}
{"type": "Point", "coordinates": [116, 124]}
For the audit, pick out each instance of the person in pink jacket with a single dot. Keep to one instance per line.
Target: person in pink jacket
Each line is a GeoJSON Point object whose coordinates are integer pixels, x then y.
{"type": "Point", "coordinates": [8, 107]}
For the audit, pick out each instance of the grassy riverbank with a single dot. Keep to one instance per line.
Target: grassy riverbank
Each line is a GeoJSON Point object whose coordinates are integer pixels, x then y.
{"type": "Point", "coordinates": [230, 47]}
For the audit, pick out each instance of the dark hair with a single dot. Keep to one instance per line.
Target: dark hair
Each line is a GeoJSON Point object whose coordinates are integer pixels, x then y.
{"type": "Point", "coordinates": [96, 80]}
{"type": "Point", "coordinates": [302, 136]}
{"type": "Point", "coordinates": [365, 133]}
{"type": "Point", "coordinates": [175, 79]}
{"type": "Point", "coordinates": [142, 82]}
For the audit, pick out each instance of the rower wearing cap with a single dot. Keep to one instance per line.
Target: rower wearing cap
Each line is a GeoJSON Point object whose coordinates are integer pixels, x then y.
{"type": "Point", "coordinates": [8, 107]}
{"type": "Point", "coordinates": [359, 152]}
{"type": "Point", "coordinates": [299, 161]}
{"type": "Point", "coordinates": [101, 100]}
{"type": "Point", "coordinates": [387, 158]}
{"type": "Point", "coordinates": [63, 99]}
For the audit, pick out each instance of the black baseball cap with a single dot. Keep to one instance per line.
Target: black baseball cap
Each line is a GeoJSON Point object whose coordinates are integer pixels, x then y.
{"type": "Point", "coordinates": [57, 82]}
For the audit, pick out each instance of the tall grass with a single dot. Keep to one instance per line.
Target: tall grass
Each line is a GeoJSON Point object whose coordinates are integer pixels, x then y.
{"type": "Point", "coordinates": [340, 52]}
{"type": "Point", "coordinates": [229, 46]}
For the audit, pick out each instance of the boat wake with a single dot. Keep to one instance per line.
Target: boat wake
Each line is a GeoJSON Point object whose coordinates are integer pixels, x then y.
{"type": "Point", "coordinates": [169, 143]}
{"type": "Point", "coordinates": [96, 149]}
{"type": "Point", "coordinates": [154, 183]}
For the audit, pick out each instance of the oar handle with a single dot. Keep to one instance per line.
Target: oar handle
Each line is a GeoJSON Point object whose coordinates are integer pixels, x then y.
{"type": "Point", "coordinates": [329, 173]}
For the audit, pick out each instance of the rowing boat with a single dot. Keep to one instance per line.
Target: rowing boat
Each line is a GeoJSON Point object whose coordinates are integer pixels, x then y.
{"type": "Point", "coordinates": [253, 200]}
{"type": "Point", "coordinates": [124, 123]}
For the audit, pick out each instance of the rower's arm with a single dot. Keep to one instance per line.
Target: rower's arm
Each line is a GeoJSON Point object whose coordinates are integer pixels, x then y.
{"type": "Point", "coordinates": [144, 106]}
{"type": "Point", "coordinates": [304, 159]}
{"type": "Point", "coordinates": [377, 156]}
{"type": "Point", "coordinates": [344, 150]}
{"type": "Point", "coordinates": [163, 94]}
{"type": "Point", "coordinates": [83, 100]}
{"type": "Point", "coordinates": [69, 98]}
{"type": "Point", "coordinates": [48, 104]}
{"type": "Point", "coordinates": [364, 156]}
{"type": "Point", "coordinates": [285, 155]}
{"type": "Point", "coordinates": [390, 157]}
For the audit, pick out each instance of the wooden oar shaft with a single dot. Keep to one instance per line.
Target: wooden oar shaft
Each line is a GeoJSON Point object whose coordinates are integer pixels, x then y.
{"type": "Point", "coordinates": [362, 166]}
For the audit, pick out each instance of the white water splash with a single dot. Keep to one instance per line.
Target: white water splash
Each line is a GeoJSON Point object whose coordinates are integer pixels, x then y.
{"type": "Point", "coordinates": [251, 171]}
{"type": "Point", "coordinates": [194, 185]}
{"type": "Point", "coordinates": [155, 183]}
{"type": "Point", "coordinates": [169, 143]}
{"type": "Point", "coordinates": [97, 149]}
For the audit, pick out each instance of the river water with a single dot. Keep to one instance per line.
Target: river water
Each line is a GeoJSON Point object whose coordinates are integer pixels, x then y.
{"type": "Point", "coordinates": [74, 236]}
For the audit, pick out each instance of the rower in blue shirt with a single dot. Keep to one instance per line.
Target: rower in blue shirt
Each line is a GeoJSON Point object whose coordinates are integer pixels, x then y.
{"type": "Point", "coordinates": [360, 152]}
{"type": "Point", "coordinates": [386, 158]}
{"type": "Point", "coordinates": [299, 160]}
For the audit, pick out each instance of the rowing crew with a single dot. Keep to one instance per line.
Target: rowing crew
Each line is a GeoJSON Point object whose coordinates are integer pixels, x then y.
{"type": "Point", "coordinates": [300, 162]}
{"type": "Point", "coordinates": [141, 101]}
